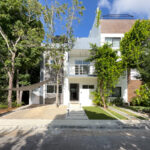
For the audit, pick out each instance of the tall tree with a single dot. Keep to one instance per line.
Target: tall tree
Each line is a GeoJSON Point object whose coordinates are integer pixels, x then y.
{"type": "Point", "coordinates": [108, 68]}
{"type": "Point", "coordinates": [144, 67]}
{"type": "Point", "coordinates": [134, 42]}
{"type": "Point", "coordinates": [58, 15]}
{"type": "Point", "coordinates": [21, 31]}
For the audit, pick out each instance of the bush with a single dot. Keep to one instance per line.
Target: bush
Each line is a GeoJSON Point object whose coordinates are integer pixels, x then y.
{"type": "Point", "coordinates": [143, 97]}
{"type": "Point", "coordinates": [14, 104]}
{"type": "Point", "coordinates": [139, 109]}
{"type": "Point", "coordinates": [97, 100]}
{"type": "Point", "coordinates": [117, 101]}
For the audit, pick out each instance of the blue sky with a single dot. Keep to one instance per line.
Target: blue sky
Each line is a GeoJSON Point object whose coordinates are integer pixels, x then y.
{"type": "Point", "coordinates": [140, 9]}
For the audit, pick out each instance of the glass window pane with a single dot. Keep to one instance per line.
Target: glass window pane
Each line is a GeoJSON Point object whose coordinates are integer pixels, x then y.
{"type": "Point", "coordinates": [91, 86]}
{"type": "Point", "coordinates": [116, 42]}
{"type": "Point", "coordinates": [60, 88]}
{"type": "Point", "coordinates": [116, 92]}
{"type": "Point", "coordinates": [78, 62]}
{"type": "Point", "coordinates": [108, 40]}
{"type": "Point", "coordinates": [50, 89]}
{"type": "Point", "coordinates": [86, 69]}
{"type": "Point", "coordinates": [86, 62]}
{"type": "Point", "coordinates": [85, 87]}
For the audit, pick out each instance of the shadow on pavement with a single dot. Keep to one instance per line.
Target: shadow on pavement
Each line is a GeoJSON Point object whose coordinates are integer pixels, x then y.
{"type": "Point", "coordinates": [59, 138]}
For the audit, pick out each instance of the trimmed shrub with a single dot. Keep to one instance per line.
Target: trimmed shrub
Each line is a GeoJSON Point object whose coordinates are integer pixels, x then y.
{"type": "Point", "coordinates": [143, 96]}
{"type": "Point", "coordinates": [118, 101]}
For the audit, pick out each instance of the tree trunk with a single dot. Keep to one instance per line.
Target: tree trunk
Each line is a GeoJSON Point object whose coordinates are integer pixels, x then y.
{"type": "Point", "coordinates": [128, 74]}
{"type": "Point", "coordinates": [9, 98]}
{"type": "Point", "coordinates": [102, 95]}
{"type": "Point", "coordinates": [17, 86]}
{"type": "Point", "coordinates": [21, 93]}
{"type": "Point", "coordinates": [57, 91]}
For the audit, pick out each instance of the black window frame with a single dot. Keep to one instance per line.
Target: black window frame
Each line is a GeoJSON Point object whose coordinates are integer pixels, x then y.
{"type": "Point", "coordinates": [54, 89]}
{"type": "Point", "coordinates": [88, 86]}
{"type": "Point", "coordinates": [114, 94]}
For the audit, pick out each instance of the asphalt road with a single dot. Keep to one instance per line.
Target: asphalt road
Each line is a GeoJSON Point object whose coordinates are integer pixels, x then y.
{"type": "Point", "coordinates": [72, 139]}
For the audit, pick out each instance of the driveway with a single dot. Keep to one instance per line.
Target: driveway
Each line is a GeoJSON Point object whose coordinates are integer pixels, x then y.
{"type": "Point", "coordinates": [38, 112]}
{"type": "Point", "coordinates": [59, 139]}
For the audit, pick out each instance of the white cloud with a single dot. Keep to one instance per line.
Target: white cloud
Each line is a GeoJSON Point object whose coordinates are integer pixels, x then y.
{"type": "Point", "coordinates": [139, 7]}
{"type": "Point", "coordinates": [104, 4]}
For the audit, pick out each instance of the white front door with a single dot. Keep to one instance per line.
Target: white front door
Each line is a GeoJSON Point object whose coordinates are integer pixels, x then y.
{"type": "Point", "coordinates": [85, 94]}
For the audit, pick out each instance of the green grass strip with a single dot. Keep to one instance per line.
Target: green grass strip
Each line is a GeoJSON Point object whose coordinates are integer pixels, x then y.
{"type": "Point", "coordinates": [130, 113]}
{"type": "Point", "coordinates": [2, 106]}
{"type": "Point", "coordinates": [96, 113]}
{"type": "Point", "coordinates": [117, 115]}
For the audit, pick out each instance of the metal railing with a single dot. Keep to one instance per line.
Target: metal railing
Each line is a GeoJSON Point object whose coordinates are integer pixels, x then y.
{"type": "Point", "coordinates": [83, 69]}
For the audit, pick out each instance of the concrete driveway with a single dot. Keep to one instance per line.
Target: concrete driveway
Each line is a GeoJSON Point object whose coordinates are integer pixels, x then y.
{"type": "Point", "coordinates": [38, 112]}
{"type": "Point", "coordinates": [60, 139]}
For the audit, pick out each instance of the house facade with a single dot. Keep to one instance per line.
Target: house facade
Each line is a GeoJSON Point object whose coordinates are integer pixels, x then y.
{"type": "Point", "coordinates": [79, 79]}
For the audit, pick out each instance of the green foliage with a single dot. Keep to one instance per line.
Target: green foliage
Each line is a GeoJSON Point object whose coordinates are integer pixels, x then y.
{"type": "Point", "coordinates": [139, 109]}
{"type": "Point", "coordinates": [144, 67]}
{"type": "Point", "coordinates": [143, 96]}
{"type": "Point", "coordinates": [3, 106]}
{"type": "Point", "coordinates": [21, 35]}
{"type": "Point", "coordinates": [97, 100]}
{"type": "Point", "coordinates": [134, 42]}
{"type": "Point", "coordinates": [108, 69]}
{"type": "Point", "coordinates": [117, 101]}
{"type": "Point", "coordinates": [58, 15]}
{"type": "Point", "coordinates": [14, 104]}
{"type": "Point", "coordinates": [98, 18]}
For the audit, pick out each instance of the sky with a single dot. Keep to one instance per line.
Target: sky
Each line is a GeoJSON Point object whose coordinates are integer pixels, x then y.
{"type": "Point", "coordinates": [140, 9]}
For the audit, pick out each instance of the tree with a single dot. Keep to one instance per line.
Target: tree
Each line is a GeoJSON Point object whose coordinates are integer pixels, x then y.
{"type": "Point", "coordinates": [144, 67]}
{"type": "Point", "coordinates": [21, 32]}
{"type": "Point", "coordinates": [108, 68]}
{"type": "Point", "coordinates": [134, 42]}
{"type": "Point", "coordinates": [59, 15]}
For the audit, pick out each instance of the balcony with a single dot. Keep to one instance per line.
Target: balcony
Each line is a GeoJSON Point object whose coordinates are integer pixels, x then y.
{"type": "Point", "coordinates": [81, 70]}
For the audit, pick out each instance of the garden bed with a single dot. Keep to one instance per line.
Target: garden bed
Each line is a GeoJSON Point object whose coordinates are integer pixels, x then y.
{"type": "Point", "coordinates": [139, 109]}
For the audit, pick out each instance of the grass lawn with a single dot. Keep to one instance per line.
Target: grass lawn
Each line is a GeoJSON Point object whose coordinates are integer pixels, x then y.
{"type": "Point", "coordinates": [3, 106]}
{"type": "Point", "coordinates": [130, 113]}
{"type": "Point", "coordinates": [96, 113]}
{"type": "Point", "coordinates": [118, 115]}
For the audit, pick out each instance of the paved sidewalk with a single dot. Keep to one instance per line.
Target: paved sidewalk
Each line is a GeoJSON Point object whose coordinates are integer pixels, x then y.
{"type": "Point", "coordinates": [41, 124]}
{"type": "Point", "coordinates": [123, 113]}
{"type": "Point", "coordinates": [76, 112]}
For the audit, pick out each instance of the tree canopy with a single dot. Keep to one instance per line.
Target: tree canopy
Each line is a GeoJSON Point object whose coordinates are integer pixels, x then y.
{"type": "Point", "coordinates": [134, 42]}
{"type": "Point", "coordinates": [108, 68]}
{"type": "Point", "coordinates": [21, 34]}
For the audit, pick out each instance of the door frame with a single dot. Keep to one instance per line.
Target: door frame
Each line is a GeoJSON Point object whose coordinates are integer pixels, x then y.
{"type": "Point", "coordinates": [77, 91]}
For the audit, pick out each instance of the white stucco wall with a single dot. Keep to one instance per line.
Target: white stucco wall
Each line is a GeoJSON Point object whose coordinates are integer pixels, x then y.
{"type": "Point", "coordinates": [85, 97]}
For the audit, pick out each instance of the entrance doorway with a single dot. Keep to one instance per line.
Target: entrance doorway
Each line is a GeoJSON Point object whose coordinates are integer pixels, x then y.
{"type": "Point", "coordinates": [74, 92]}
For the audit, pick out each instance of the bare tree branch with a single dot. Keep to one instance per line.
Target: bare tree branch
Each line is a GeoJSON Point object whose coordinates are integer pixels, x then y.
{"type": "Point", "coordinates": [6, 40]}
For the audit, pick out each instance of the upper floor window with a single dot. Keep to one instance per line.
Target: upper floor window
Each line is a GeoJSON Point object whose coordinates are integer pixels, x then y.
{"type": "Point", "coordinates": [114, 41]}
{"type": "Point", "coordinates": [82, 62]}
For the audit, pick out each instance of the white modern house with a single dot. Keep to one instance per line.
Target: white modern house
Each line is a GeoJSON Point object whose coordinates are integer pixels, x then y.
{"type": "Point", "coordinates": [79, 78]}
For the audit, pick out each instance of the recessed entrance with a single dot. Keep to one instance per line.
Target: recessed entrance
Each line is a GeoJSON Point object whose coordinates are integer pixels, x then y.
{"type": "Point", "coordinates": [74, 92]}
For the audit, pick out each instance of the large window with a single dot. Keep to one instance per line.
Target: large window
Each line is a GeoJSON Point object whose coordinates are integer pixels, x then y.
{"type": "Point", "coordinates": [82, 67]}
{"type": "Point", "coordinates": [116, 92]}
{"type": "Point", "coordinates": [114, 41]}
{"type": "Point", "coordinates": [52, 88]}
